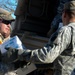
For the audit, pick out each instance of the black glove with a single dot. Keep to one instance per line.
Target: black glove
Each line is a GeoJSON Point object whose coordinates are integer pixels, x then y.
{"type": "Point", "coordinates": [24, 54]}
{"type": "Point", "coordinates": [10, 56]}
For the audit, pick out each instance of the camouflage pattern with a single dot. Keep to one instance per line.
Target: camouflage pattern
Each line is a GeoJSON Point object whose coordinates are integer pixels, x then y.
{"type": "Point", "coordinates": [61, 51]}
{"type": "Point", "coordinates": [4, 14]}
{"type": "Point", "coordinates": [5, 68]}
{"type": "Point", "coordinates": [57, 19]}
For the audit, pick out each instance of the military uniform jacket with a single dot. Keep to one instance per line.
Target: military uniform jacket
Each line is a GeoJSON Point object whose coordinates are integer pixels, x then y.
{"type": "Point", "coordinates": [60, 50]}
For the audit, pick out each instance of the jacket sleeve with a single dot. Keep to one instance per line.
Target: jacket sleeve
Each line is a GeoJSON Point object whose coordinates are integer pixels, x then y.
{"type": "Point", "coordinates": [51, 51]}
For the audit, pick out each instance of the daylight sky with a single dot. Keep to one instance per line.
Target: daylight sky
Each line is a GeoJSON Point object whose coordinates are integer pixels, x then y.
{"type": "Point", "coordinates": [9, 5]}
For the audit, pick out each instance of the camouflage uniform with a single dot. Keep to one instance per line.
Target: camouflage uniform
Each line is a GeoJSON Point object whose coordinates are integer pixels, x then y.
{"type": "Point", "coordinates": [60, 50]}
{"type": "Point", "coordinates": [5, 69]}
{"type": "Point", "coordinates": [57, 19]}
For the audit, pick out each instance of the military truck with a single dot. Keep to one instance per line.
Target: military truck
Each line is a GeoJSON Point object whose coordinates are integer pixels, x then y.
{"type": "Point", "coordinates": [33, 21]}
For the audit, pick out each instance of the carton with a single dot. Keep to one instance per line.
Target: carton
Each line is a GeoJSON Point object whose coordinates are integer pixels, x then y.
{"type": "Point", "coordinates": [13, 42]}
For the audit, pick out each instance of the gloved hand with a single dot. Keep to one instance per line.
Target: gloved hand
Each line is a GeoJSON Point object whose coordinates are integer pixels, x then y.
{"type": "Point", "coordinates": [24, 54]}
{"type": "Point", "coordinates": [10, 56]}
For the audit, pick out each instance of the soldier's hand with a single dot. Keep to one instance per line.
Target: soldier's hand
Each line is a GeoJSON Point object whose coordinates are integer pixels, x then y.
{"type": "Point", "coordinates": [13, 53]}
{"type": "Point", "coordinates": [18, 54]}
{"type": "Point", "coordinates": [10, 56]}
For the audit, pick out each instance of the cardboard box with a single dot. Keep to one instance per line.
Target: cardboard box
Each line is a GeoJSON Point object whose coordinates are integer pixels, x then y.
{"type": "Point", "coordinates": [13, 42]}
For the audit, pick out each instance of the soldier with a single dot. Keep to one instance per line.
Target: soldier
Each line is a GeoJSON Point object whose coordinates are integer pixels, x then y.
{"type": "Point", "coordinates": [61, 50]}
{"type": "Point", "coordinates": [57, 19]}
